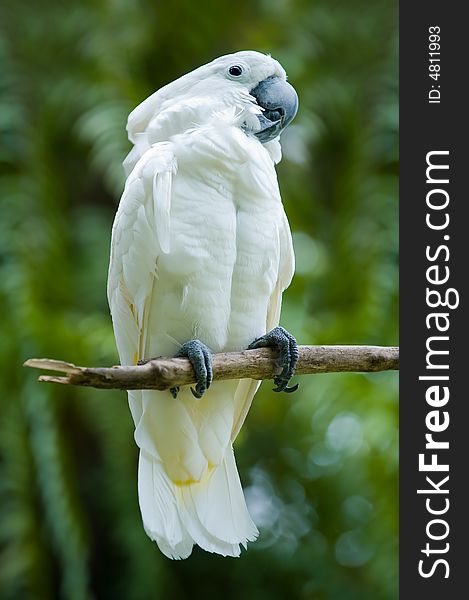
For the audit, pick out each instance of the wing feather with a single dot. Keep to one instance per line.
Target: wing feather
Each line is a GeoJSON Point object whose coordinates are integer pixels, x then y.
{"type": "Point", "coordinates": [162, 206]}
{"type": "Point", "coordinates": [139, 235]}
{"type": "Point", "coordinates": [248, 387]}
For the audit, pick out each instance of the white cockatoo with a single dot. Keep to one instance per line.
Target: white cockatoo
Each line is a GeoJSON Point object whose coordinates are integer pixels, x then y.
{"type": "Point", "coordinates": [201, 252]}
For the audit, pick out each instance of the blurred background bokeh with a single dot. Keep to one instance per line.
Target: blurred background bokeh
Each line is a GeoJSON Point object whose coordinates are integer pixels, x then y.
{"type": "Point", "coordinates": [319, 467]}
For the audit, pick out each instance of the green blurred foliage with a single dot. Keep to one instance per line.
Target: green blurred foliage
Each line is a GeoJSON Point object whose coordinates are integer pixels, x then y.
{"type": "Point", "coordinates": [319, 468]}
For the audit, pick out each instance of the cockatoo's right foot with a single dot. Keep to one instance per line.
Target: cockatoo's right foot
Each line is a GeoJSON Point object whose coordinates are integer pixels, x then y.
{"type": "Point", "coordinates": [288, 348]}
{"type": "Point", "coordinates": [200, 357]}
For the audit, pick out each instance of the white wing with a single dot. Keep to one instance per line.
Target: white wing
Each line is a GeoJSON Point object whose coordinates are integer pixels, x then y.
{"type": "Point", "coordinates": [140, 234]}
{"type": "Point", "coordinates": [248, 387]}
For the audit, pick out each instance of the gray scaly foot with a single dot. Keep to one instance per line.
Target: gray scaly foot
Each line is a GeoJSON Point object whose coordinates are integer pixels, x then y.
{"type": "Point", "coordinates": [288, 348]}
{"type": "Point", "coordinates": [200, 358]}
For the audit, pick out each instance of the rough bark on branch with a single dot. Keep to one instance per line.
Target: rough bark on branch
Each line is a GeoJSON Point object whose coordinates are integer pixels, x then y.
{"type": "Point", "coordinates": [163, 373]}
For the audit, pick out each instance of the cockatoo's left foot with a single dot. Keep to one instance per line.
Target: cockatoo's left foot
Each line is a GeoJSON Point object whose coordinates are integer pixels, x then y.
{"type": "Point", "coordinates": [200, 358]}
{"type": "Point", "coordinates": [288, 347]}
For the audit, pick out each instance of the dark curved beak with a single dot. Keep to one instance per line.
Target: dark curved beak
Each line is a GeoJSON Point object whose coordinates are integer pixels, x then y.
{"type": "Point", "coordinates": [280, 103]}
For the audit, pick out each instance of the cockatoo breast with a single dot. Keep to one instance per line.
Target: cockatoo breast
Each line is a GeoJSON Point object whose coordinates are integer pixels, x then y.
{"type": "Point", "coordinates": [216, 281]}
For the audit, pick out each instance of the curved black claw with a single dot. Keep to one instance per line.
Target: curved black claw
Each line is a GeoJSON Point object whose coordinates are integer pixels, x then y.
{"type": "Point", "coordinates": [174, 391]}
{"type": "Point", "coordinates": [200, 358]}
{"type": "Point", "coordinates": [288, 348]}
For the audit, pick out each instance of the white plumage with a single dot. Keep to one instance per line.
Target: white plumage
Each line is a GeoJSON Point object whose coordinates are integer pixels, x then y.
{"type": "Point", "coordinates": [201, 248]}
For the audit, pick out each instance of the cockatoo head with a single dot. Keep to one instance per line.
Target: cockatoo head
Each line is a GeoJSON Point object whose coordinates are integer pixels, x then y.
{"type": "Point", "coordinates": [250, 78]}
{"type": "Point", "coordinates": [252, 82]}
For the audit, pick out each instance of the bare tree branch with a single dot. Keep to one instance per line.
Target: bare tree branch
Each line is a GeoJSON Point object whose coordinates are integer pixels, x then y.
{"type": "Point", "coordinates": [163, 373]}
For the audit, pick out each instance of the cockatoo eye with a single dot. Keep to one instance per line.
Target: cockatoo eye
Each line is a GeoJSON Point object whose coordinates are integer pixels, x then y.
{"type": "Point", "coordinates": [236, 71]}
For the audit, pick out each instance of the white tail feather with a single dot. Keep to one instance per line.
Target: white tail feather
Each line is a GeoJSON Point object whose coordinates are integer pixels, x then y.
{"type": "Point", "coordinates": [159, 508]}
{"type": "Point", "coordinates": [211, 513]}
